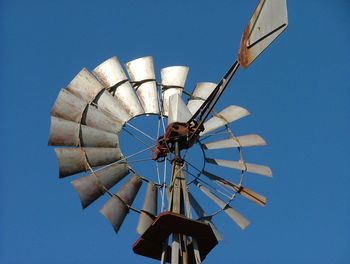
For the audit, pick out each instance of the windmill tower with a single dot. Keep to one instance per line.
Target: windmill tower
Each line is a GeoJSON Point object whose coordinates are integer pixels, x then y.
{"type": "Point", "coordinates": [96, 106]}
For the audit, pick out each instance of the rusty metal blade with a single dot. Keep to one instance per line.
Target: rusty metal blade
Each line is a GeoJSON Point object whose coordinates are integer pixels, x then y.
{"type": "Point", "coordinates": [92, 137]}
{"type": "Point", "coordinates": [226, 116]}
{"type": "Point", "coordinates": [116, 209]}
{"type": "Point", "coordinates": [241, 141]}
{"type": "Point", "coordinates": [200, 93]}
{"type": "Point", "coordinates": [173, 81]}
{"type": "Point", "coordinates": [63, 132]}
{"type": "Point", "coordinates": [201, 214]}
{"type": "Point", "coordinates": [253, 168]}
{"type": "Point", "coordinates": [269, 20]}
{"type": "Point", "coordinates": [245, 192]}
{"type": "Point", "coordinates": [94, 185]}
{"type": "Point", "coordinates": [68, 106]}
{"type": "Point", "coordinates": [142, 70]}
{"type": "Point", "coordinates": [74, 160]}
{"type": "Point", "coordinates": [232, 213]}
{"type": "Point", "coordinates": [149, 209]}
{"type": "Point", "coordinates": [178, 111]}
{"type": "Point", "coordinates": [111, 74]}
{"type": "Point", "coordinates": [85, 86]}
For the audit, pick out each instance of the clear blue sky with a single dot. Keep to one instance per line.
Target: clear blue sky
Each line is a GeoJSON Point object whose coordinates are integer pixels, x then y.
{"type": "Point", "coordinates": [298, 93]}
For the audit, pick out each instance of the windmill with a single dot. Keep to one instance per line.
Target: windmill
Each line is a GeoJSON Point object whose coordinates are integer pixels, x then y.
{"type": "Point", "coordinates": [95, 107]}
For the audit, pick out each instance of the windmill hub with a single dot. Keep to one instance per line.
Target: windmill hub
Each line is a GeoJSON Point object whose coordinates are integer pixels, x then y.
{"type": "Point", "coordinates": [185, 134]}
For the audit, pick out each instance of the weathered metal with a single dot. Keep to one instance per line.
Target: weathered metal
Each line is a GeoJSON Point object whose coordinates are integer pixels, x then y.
{"type": "Point", "coordinates": [240, 141]}
{"type": "Point", "coordinates": [173, 80]}
{"type": "Point", "coordinates": [178, 111]}
{"type": "Point", "coordinates": [111, 74]}
{"type": "Point", "coordinates": [200, 93]}
{"type": "Point", "coordinates": [88, 88]}
{"type": "Point", "coordinates": [239, 219]}
{"type": "Point", "coordinates": [226, 116]}
{"type": "Point", "coordinates": [268, 21]}
{"type": "Point", "coordinates": [141, 73]}
{"type": "Point", "coordinates": [239, 165]}
{"type": "Point", "coordinates": [116, 209]}
{"type": "Point", "coordinates": [245, 192]}
{"type": "Point", "coordinates": [150, 244]}
{"type": "Point", "coordinates": [149, 209]}
{"type": "Point", "coordinates": [68, 133]}
{"type": "Point", "coordinates": [94, 185]}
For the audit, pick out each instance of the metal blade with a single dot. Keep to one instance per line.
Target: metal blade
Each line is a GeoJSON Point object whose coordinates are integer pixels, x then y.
{"type": "Point", "coordinates": [199, 95]}
{"type": "Point", "coordinates": [247, 193]}
{"type": "Point", "coordinates": [72, 108]}
{"type": "Point", "coordinates": [111, 74]}
{"type": "Point", "coordinates": [116, 209]}
{"type": "Point", "coordinates": [68, 106]}
{"type": "Point", "coordinates": [232, 213]}
{"type": "Point", "coordinates": [241, 141]}
{"type": "Point", "coordinates": [178, 111]}
{"type": "Point", "coordinates": [173, 81]}
{"type": "Point", "coordinates": [91, 187]}
{"type": "Point", "coordinates": [149, 209]}
{"type": "Point", "coordinates": [142, 70]}
{"type": "Point", "coordinates": [226, 116]}
{"type": "Point", "coordinates": [269, 20]}
{"type": "Point", "coordinates": [253, 168]}
{"type": "Point", "coordinates": [201, 214]}
{"type": "Point", "coordinates": [85, 86]}
{"type": "Point", "coordinates": [68, 133]}
{"type": "Point", "coordinates": [74, 160]}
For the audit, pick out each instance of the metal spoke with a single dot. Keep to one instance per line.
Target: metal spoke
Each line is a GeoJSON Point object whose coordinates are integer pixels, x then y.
{"type": "Point", "coordinates": [137, 138]}
{"type": "Point", "coordinates": [140, 131]}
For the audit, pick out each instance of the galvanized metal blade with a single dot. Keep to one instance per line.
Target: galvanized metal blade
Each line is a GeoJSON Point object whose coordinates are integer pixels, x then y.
{"type": "Point", "coordinates": [203, 216]}
{"type": "Point", "coordinates": [94, 185]}
{"type": "Point", "coordinates": [269, 20]}
{"type": "Point", "coordinates": [245, 192]}
{"type": "Point", "coordinates": [111, 74]}
{"type": "Point", "coordinates": [241, 141]}
{"type": "Point", "coordinates": [149, 209]}
{"type": "Point", "coordinates": [200, 93]}
{"type": "Point", "coordinates": [85, 86]}
{"type": "Point", "coordinates": [253, 168]}
{"type": "Point", "coordinates": [178, 111]}
{"type": "Point", "coordinates": [173, 81]}
{"type": "Point", "coordinates": [116, 209]}
{"type": "Point", "coordinates": [141, 71]}
{"type": "Point", "coordinates": [92, 137]}
{"type": "Point", "coordinates": [232, 213]}
{"type": "Point", "coordinates": [226, 116]}
{"type": "Point", "coordinates": [68, 106]}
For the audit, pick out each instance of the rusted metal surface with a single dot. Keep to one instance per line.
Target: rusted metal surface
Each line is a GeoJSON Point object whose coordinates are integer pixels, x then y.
{"type": "Point", "coordinates": [200, 93]}
{"type": "Point", "coordinates": [68, 106]}
{"type": "Point", "coordinates": [74, 160]}
{"type": "Point", "coordinates": [63, 132]}
{"type": "Point", "coordinates": [241, 141]}
{"type": "Point", "coordinates": [226, 116]}
{"type": "Point", "coordinates": [116, 209]}
{"type": "Point", "coordinates": [268, 21]}
{"type": "Point", "coordinates": [92, 137]}
{"type": "Point", "coordinates": [150, 243]}
{"type": "Point", "coordinates": [239, 219]}
{"type": "Point", "coordinates": [245, 192]}
{"type": "Point", "coordinates": [178, 111]}
{"type": "Point", "coordinates": [91, 187]}
{"type": "Point", "coordinates": [173, 81]}
{"type": "Point", "coordinates": [111, 74]}
{"type": "Point", "coordinates": [142, 70]}
{"type": "Point", "coordinates": [239, 165]}
{"type": "Point", "coordinates": [149, 209]}
{"type": "Point", "coordinates": [85, 86]}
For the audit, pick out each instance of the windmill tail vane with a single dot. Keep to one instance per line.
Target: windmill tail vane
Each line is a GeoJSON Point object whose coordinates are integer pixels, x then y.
{"type": "Point", "coordinates": [89, 115]}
